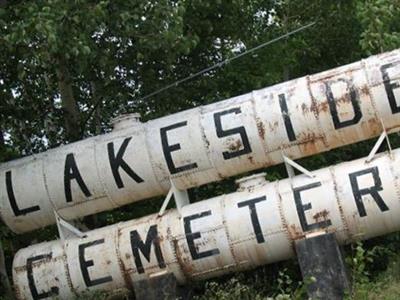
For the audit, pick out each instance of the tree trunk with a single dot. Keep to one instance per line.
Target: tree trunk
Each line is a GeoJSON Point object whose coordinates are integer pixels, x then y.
{"type": "Point", "coordinates": [286, 73]}
{"type": "Point", "coordinates": [5, 287]}
{"type": "Point", "coordinates": [69, 103]}
{"type": "Point", "coordinates": [96, 100]}
{"type": "Point", "coordinates": [2, 142]}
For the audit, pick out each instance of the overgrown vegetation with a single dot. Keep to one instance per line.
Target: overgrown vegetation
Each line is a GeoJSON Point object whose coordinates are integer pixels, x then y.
{"type": "Point", "coordinates": [68, 67]}
{"type": "Point", "coordinates": [374, 269]}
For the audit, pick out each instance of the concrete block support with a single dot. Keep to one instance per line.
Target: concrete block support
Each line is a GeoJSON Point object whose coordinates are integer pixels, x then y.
{"type": "Point", "coordinates": [162, 287]}
{"type": "Point", "coordinates": [320, 257]}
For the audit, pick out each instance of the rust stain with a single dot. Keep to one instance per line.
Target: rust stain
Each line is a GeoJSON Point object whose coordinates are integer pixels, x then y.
{"type": "Point", "coordinates": [321, 216]}
{"type": "Point", "coordinates": [304, 108]}
{"type": "Point", "coordinates": [231, 247]}
{"type": "Point", "coordinates": [344, 99]}
{"type": "Point", "coordinates": [187, 268]}
{"type": "Point", "coordinates": [317, 107]}
{"type": "Point", "coordinates": [295, 233]}
{"type": "Point", "coordinates": [309, 148]}
{"type": "Point", "coordinates": [261, 253]}
{"type": "Point", "coordinates": [308, 136]}
{"type": "Point", "coordinates": [236, 145]}
{"type": "Point", "coordinates": [206, 141]}
{"type": "Point", "coordinates": [273, 126]}
{"type": "Point", "coordinates": [67, 273]}
{"type": "Point", "coordinates": [125, 275]}
{"type": "Point", "coordinates": [261, 129]}
{"type": "Point", "coordinates": [17, 292]}
{"type": "Point", "coordinates": [364, 90]}
{"type": "Point", "coordinates": [124, 271]}
{"type": "Point", "coordinates": [339, 204]}
{"type": "Point", "coordinates": [375, 125]}
{"type": "Point", "coordinates": [220, 175]}
{"type": "Point", "coordinates": [251, 159]}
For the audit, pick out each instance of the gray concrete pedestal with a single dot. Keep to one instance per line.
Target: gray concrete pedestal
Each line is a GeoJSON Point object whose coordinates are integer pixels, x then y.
{"type": "Point", "coordinates": [163, 287]}
{"type": "Point", "coordinates": [320, 257]}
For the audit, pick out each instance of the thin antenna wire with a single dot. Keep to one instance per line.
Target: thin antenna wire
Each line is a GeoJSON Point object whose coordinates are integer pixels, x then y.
{"type": "Point", "coordinates": [226, 61]}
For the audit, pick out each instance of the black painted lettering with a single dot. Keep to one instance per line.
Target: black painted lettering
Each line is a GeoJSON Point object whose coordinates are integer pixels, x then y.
{"type": "Point", "coordinates": [254, 216]}
{"type": "Point", "coordinates": [71, 172]}
{"type": "Point", "coordinates": [244, 144]}
{"type": "Point", "coordinates": [301, 208]}
{"type": "Point", "coordinates": [13, 202]}
{"type": "Point", "coordinates": [85, 264]}
{"type": "Point", "coordinates": [390, 86]}
{"type": "Point", "coordinates": [373, 190]}
{"type": "Point", "coordinates": [192, 236]}
{"type": "Point", "coordinates": [355, 102]}
{"type": "Point", "coordinates": [168, 149]}
{"type": "Point", "coordinates": [286, 118]}
{"type": "Point", "coordinates": [117, 161]}
{"type": "Point", "coordinates": [31, 279]}
{"type": "Point", "coordinates": [145, 248]}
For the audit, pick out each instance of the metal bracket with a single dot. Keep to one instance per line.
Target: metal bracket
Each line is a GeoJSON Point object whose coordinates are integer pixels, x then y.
{"type": "Point", "coordinates": [66, 230]}
{"type": "Point", "coordinates": [383, 136]}
{"type": "Point", "coordinates": [181, 198]}
{"type": "Point", "coordinates": [291, 165]}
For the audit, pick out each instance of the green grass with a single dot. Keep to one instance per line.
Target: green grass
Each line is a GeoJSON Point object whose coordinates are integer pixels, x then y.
{"type": "Point", "coordinates": [386, 286]}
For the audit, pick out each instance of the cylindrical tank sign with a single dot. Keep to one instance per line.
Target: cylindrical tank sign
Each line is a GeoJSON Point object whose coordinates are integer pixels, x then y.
{"type": "Point", "coordinates": [297, 118]}
{"type": "Point", "coordinates": [254, 226]}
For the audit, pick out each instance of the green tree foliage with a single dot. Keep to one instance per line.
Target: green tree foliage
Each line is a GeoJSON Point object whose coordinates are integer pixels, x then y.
{"type": "Point", "coordinates": [69, 58]}
{"type": "Point", "coordinates": [380, 20]}
{"type": "Point", "coordinates": [68, 67]}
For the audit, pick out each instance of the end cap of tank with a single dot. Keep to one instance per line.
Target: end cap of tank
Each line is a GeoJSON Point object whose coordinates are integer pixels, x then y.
{"type": "Point", "coordinates": [251, 182]}
{"type": "Point", "coordinates": [125, 121]}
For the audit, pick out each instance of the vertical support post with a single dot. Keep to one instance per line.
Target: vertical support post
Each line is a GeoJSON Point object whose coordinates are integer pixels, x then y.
{"type": "Point", "coordinates": [320, 257]}
{"type": "Point", "coordinates": [181, 197]}
{"type": "Point", "coordinates": [162, 286]}
{"type": "Point", "coordinates": [66, 230]}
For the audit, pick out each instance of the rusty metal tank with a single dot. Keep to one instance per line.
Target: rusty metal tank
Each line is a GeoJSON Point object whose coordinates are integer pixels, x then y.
{"type": "Point", "coordinates": [139, 160]}
{"type": "Point", "coordinates": [254, 226]}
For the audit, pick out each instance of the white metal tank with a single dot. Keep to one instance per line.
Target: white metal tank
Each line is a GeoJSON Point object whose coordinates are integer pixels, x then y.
{"type": "Point", "coordinates": [137, 160]}
{"type": "Point", "coordinates": [255, 226]}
